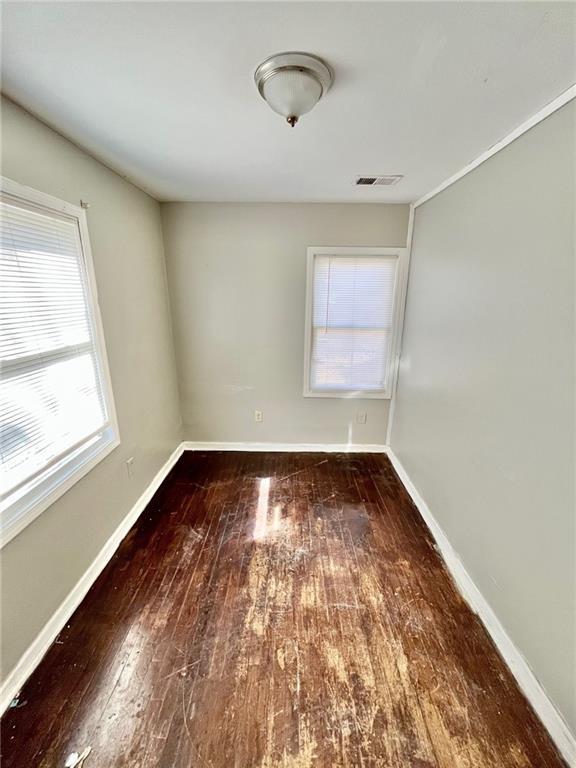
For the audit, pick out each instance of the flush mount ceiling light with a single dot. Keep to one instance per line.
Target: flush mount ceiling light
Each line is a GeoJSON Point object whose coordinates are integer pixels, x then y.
{"type": "Point", "coordinates": [292, 83]}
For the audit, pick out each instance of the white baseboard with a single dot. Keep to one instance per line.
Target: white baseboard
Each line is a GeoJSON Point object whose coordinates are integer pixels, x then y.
{"type": "Point", "coordinates": [33, 655]}
{"type": "Point", "coordinates": [287, 447]}
{"type": "Point", "coordinates": [532, 689]}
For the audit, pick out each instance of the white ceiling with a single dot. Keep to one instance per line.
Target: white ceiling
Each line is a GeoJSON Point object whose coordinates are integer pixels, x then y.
{"type": "Point", "coordinates": [163, 92]}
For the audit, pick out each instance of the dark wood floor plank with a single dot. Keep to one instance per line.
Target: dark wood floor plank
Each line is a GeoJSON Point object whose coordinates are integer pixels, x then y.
{"type": "Point", "coordinates": [276, 610]}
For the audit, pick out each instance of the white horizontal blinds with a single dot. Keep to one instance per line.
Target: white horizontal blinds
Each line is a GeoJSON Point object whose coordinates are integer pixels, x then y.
{"type": "Point", "coordinates": [352, 317]}
{"type": "Point", "coordinates": [51, 391]}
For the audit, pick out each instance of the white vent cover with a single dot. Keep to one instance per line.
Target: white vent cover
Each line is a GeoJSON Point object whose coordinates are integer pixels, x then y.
{"type": "Point", "coordinates": [377, 181]}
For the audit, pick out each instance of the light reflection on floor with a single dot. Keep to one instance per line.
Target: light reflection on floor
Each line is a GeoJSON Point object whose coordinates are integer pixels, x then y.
{"type": "Point", "coordinates": [264, 527]}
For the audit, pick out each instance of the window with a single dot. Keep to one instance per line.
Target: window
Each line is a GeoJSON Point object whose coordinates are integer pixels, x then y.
{"type": "Point", "coordinates": [351, 321]}
{"type": "Point", "coordinates": [57, 416]}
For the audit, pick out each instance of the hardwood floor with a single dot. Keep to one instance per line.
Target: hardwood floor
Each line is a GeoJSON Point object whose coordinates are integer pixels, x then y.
{"type": "Point", "coordinates": [275, 610]}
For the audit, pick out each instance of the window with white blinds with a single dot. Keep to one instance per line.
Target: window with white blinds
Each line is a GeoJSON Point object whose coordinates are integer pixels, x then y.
{"type": "Point", "coordinates": [56, 410]}
{"type": "Point", "coordinates": [350, 322]}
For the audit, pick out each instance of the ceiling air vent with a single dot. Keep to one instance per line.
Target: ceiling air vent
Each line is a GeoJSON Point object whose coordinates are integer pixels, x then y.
{"type": "Point", "coordinates": [377, 181]}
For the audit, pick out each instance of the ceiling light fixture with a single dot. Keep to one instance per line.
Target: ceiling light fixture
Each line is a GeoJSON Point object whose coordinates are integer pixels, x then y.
{"type": "Point", "coordinates": [292, 83]}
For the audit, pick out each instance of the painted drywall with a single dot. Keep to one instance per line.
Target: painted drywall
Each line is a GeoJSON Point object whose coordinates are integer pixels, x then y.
{"type": "Point", "coordinates": [484, 418]}
{"type": "Point", "coordinates": [237, 277]}
{"type": "Point", "coordinates": [44, 562]}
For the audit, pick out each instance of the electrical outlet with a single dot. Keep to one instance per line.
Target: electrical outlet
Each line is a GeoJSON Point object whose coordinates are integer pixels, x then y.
{"type": "Point", "coordinates": [130, 466]}
{"type": "Point", "coordinates": [258, 416]}
{"type": "Point", "coordinates": [361, 417]}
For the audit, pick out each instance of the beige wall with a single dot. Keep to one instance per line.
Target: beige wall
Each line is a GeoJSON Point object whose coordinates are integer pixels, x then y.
{"type": "Point", "coordinates": [44, 562]}
{"type": "Point", "coordinates": [484, 421]}
{"type": "Point", "coordinates": [237, 283]}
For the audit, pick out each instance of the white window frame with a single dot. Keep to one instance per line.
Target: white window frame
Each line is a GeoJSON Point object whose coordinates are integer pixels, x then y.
{"type": "Point", "coordinates": [42, 491]}
{"type": "Point", "coordinates": [400, 254]}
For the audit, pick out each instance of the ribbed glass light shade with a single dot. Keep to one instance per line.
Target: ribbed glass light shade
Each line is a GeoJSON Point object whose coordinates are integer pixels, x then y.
{"type": "Point", "coordinates": [292, 92]}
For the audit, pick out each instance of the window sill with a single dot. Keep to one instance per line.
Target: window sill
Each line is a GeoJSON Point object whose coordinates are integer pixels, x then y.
{"type": "Point", "coordinates": [349, 394]}
{"type": "Point", "coordinates": [23, 506]}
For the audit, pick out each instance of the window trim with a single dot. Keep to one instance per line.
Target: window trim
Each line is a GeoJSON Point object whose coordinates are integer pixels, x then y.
{"type": "Point", "coordinates": [386, 392]}
{"type": "Point", "coordinates": [37, 494]}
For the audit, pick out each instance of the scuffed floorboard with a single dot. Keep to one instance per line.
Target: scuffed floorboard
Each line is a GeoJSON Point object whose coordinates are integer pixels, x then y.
{"type": "Point", "coordinates": [276, 611]}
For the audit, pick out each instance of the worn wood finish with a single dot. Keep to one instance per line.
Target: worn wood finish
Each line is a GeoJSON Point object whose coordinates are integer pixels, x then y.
{"type": "Point", "coordinates": [276, 610]}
